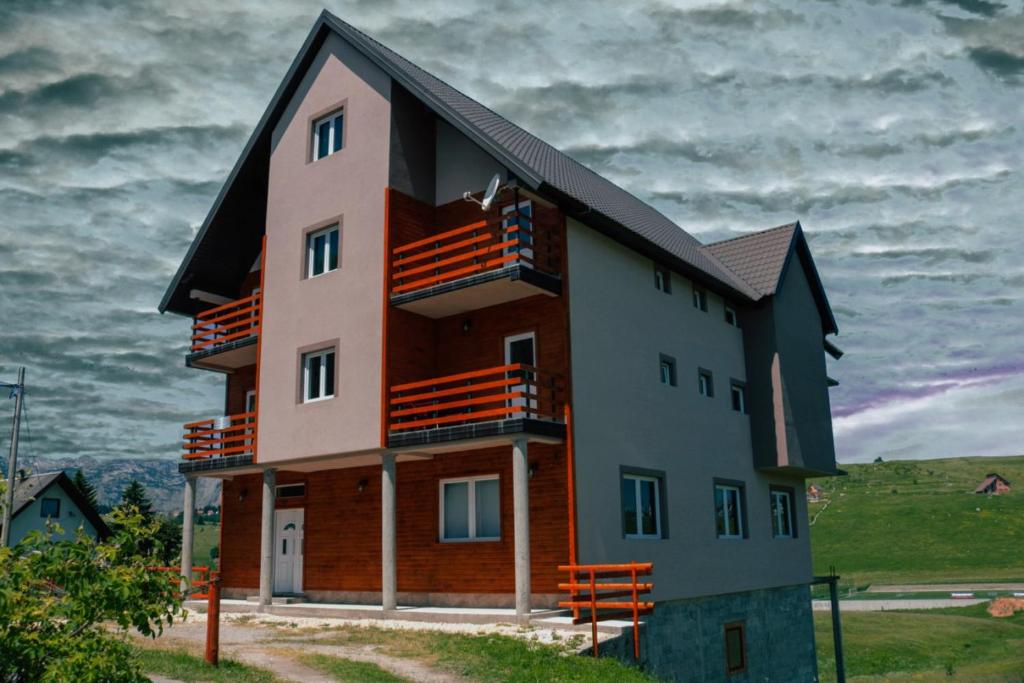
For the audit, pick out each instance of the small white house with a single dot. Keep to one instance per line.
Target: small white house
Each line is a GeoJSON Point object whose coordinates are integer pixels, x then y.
{"type": "Point", "coordinates": [52, 497]}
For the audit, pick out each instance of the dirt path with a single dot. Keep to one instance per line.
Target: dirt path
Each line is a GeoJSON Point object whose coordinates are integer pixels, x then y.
{"type": "Point", "coordinates": [889, 605]}
{"type": "Point", "coordinates": [945, 587]}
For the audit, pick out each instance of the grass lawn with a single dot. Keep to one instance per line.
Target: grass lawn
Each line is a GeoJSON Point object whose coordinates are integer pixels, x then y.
{"type": "Point", "coordinates": [919, 522]}
{"type": "Point", "coordinates": [206, 537]}
{"type": "Point", "coordinates": [489, 657]}
{"type": "Point", "coordinates": [186, 667]}
{"type": "Point", "coordinates": [348, 670]}
{"type": "Point", "coordinates": [956, 644]}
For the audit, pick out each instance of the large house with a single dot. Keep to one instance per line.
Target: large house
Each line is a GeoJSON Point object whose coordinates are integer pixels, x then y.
{"type": "Point", "coordinates": [52, 499]}
{"type": "Point", "coordinates": [440, 388]}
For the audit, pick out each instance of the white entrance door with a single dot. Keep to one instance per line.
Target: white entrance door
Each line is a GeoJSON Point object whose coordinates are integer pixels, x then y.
{"type": "Point", "coordinates": [288, 539]}
{"type": "Point", "coordinates": [522, 348]}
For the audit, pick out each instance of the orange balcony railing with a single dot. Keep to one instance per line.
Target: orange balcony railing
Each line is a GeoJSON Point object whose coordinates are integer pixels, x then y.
{"type": "Point", "coordinates": [489, 244]}
{"type": "Point", "coordinates": [226, 323]}
{"type": "Point", "coordinates": [220, 436]}
{"type": "Point", "coordinates": [610, 587]}
{"type": "Point", "coordinates": [500, 393]}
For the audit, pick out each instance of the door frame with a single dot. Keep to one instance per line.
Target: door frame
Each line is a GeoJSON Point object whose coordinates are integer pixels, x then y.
{"type": "Point", "coordinates": [298, 558]}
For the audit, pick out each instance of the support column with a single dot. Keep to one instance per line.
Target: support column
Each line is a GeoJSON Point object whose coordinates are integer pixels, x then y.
{"type": "Point", "coordinates": [521, 526]}
{"type": "Point", "coordinates": [187, 532]}
{"type": "Point", "coordinates": [389, 581]}
{"type": "Point", "coordinates": [267, 539]}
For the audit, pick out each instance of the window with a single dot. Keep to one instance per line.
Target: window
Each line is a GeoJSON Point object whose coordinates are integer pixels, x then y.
{"type": "Point", "coordinates": [291, 491]}
{"type": "Point", "coordinates": [317, 375]}
{"type": "Point", "coordinates": [470, 509]}
{"type": "Point", "coordinates": [641, 506]}
{"type": "Point", "coordinates": [700, 299]}
{"type": "Point", "coordinates": [729, 522]}
{"type": "Point", "coordinates": [524, 233]}
{"type": "Point", "coordinates": [705, 383]}
{"type": "Point", "coordinates": [322, 251]}
{"type": "Point", "coordinates": [662, 279]}
{"type": "Point", "coordinates": [735, 648]}
{"type": "Point", "coordinates": [49, 507]}
{"type": "Point", "coordinates": [738, 396]}
{"type": "Point", "coordinates": [782, 513]}
{"type": "Point", "coordinates": [328, 135]}
{"type": "Point", "coordinates": [730, 316]}
{"type": "Point", "coordinates": [668, 370]}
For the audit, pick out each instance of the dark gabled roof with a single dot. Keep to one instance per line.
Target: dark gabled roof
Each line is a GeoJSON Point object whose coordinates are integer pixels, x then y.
{"type": "Point", "coordinates": [534, 162]}
{"type": "Point", "coordinates": [32, 487]}
{"type": "Point", "coordinates": [761, 259]}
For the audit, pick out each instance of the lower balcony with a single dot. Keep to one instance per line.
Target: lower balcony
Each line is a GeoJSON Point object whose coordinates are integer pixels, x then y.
{"type": "Point", "coordinates": [219, 443]}
{"type": "Point", "coordinates": [477, 405]}
{"type": "Point", "coordinates": [224, 337]}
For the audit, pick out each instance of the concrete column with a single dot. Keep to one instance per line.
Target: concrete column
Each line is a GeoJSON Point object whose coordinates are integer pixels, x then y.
{"type": "Point", "coordinates": [187, 532]}
{"type": "Point", "coordinates": [267, 538]}
{"type": "Point", "coordinates": [389, 589]}
{"type": "Point", "coordinates": [521, 526]}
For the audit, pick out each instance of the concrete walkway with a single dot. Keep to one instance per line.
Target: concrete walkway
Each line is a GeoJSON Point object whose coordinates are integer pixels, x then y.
{"type": "Point", "coordinates": [889, 605]}
{"type": "Point", "coordinates": [945, 587]}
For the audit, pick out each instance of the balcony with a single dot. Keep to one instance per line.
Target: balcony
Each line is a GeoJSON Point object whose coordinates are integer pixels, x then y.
{"type": "Point", "coordinates": [488, 262]}
{"type": "Point", "coordinates": [482, 404]}
{"type": "Point", "coordinates": [224, 337]}
{"type": "Point", "coordinates": [219, 442]}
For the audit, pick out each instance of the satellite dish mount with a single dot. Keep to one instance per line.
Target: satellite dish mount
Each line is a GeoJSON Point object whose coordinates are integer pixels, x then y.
{"type": "Point", "coordinates": [493, 188]}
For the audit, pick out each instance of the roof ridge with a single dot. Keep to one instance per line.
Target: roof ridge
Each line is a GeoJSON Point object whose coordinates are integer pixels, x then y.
{"type": "Point", "coordinates": [753, 234]}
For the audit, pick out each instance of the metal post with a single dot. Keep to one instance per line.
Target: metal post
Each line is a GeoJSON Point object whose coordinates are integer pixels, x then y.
{"type": "Point", "coordinates": [267, 539]}
{"type": "Point", "coordinates": [12, 461]}
{"type": "Point", "coordinates": [837, 629]}
{"type": "Point", "coordinates": [213, 620]}
{"type": "Point", "coordinates": [187, 533]}
{"type": "Point", "coordinates": [521, 528]}
{"type": "Point", "coordinates": [389, 589]}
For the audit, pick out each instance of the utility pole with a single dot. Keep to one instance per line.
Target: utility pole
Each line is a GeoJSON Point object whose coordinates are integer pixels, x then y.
{"type": "Point", "coordinates": [12, 462]}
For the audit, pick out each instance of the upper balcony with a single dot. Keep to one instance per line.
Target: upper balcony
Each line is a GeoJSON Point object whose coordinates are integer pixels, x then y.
{"type": "Point", "coordinates": [505, 256]}
{"type": "Point", "coordinates": [224, 337]}
{"type": "Point", "coordinates": [481, 404]}
{"type": "Point", "coordinates": [219, 442]}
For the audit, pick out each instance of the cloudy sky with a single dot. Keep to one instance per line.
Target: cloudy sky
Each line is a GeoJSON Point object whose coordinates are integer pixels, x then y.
{"type": "Point", "coordinates": [893, 131]}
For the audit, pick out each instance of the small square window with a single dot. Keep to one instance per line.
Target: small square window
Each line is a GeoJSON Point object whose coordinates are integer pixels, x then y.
{"type": "Point", "coordinates": [782, 513]}
{"type": "Point", "coordinates": [700, 299]}
{"type": "Point", "coordinates": [641, 506]}
{"type": "Point", "coordinates": [738, 396]}
{"type": "Point", "coordinates": [49, 508]}
{"type": "Point", "coordinates": [328, 135]}
{"type": "Point", "coordinates": [735, 648]}
{"type": "Point", "coordinates": [705, 383]}
{"type": "Point", "coordinates": [322, 249]}
{"type": "Point", "coordinates": [662, 279]}
{"type": "Point", "coordinates": [317, 375]}
{"type": "Point", "coordinates": [668, 370]}
{"type": "Point", "coordinates": [471, 509]}
{"type": "Point", "coordinates": [730, 316]}
{"type": "Point", "coordinates": [729, 520]}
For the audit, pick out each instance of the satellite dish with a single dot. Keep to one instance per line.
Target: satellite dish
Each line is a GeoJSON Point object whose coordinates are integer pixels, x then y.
{"type": "Point", "coordinates": [491, 193]}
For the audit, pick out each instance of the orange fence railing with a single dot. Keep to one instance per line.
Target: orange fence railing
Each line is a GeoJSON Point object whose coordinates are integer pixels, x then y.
{"type": "Point", "coordinates": [220, 436]}
{"type": "Point", "coordinates": [499, 393]}
{"type": "Point", "coordinates": [488, 244]}
{"type": "Point", "coordinates": [229, 322]}
{"type": "Point", "coordinates": [608, 591]}
{"type": "Point", "coordinates": [200, 580]}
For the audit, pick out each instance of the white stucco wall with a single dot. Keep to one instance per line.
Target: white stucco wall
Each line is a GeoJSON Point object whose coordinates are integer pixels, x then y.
{"type": "Point", "coordinates": [70, 519]}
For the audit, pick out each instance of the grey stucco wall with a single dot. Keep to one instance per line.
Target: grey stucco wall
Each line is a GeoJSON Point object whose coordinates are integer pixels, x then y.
{"type": "Point", "coordinates": [624, 416]}
{"type": "Point", "coordinates": [413, 139]}
{"type": "Point", "coordinates": [684, 640]}
{"type": "Point", "coordinates": [461, 165]}
{"type": "Point", "coordinates": [71, 518]}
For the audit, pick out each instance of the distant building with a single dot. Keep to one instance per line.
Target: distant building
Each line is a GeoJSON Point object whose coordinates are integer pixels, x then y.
{"type": "Point", "coordinates": [52, 497]}
{"type": "Point", "coordinates": [993, 484]}
{"type": "Point", "coordinates": [813, 493]}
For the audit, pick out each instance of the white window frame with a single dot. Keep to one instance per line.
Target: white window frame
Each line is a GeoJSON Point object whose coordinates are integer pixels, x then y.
{"type": "Point", "coordinates": [741, 391]}
{"type": "Point", "coordinates": [700, 299]}
{"type": "Point", "coordinates": [471, 481]}
{"type": "Point", "coordinates": [330, 132]}
{"type": "Point", "coordinates": [776, 494]}
{"type": "Point", "coordinates": [731, 312]}
{"type": "Point", "coordinates": [726, 488]}
{"type": "Point", "coordinates": [705, 383]}
{"type": "Point", "coordinates": [311, 252]}
{"type": "Point", "coordinates": [637, 478]}
{"type": "Point", "coordinates": [306, 357]}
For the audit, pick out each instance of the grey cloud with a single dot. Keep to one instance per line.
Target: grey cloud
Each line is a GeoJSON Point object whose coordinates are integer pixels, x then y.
{"type": "Point", "coordinates": [81, 91]}
{"type": "Point", "coordinates": [697, 152]}
{"type": "Point", "coordinates": [676, 21]}
{"type": "Point", "coordinates": [978, 6]}
{"type": "Point", "coordinates": [32, 61]}
{"type": "Point", "coordinates": [1001, 63]}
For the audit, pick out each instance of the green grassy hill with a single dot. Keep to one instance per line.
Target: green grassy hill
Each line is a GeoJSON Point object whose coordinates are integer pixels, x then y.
{"type": "Point", "coordinates": [920, 522]}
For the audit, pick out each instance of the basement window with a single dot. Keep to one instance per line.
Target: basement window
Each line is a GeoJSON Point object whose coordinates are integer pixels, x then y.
{"type": "Point", "coordinates": [328, 135]}
{"type": "Point", "coordinates": [735, 648]}
{"type": "Point", "coordinates": [471, 509]}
